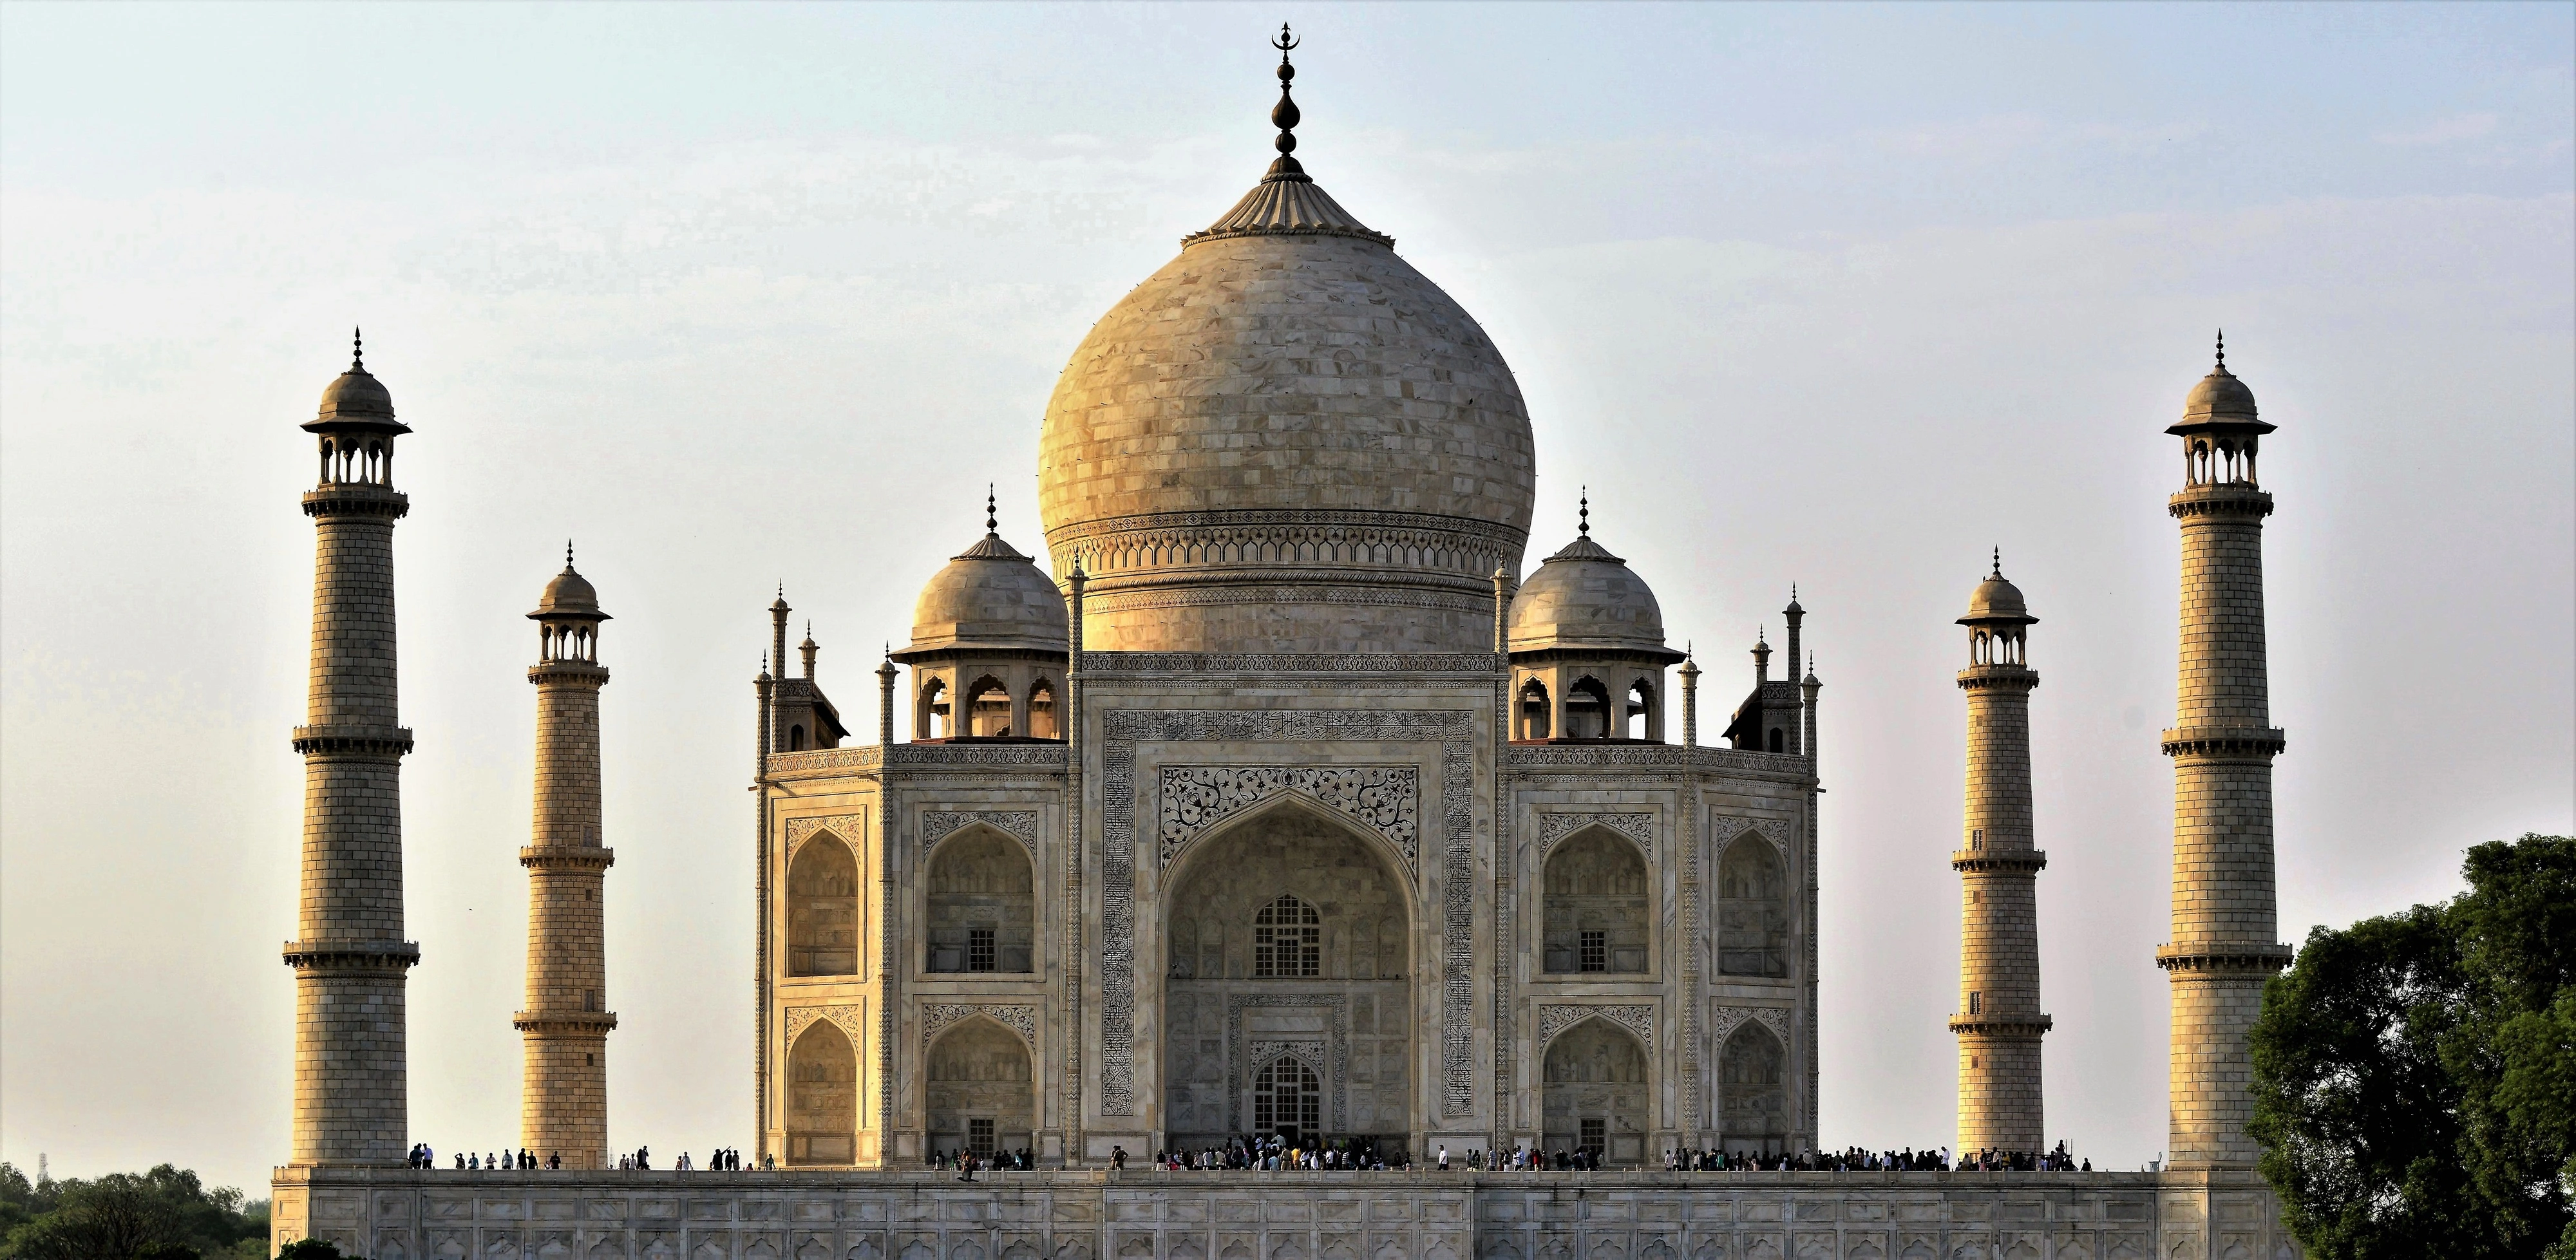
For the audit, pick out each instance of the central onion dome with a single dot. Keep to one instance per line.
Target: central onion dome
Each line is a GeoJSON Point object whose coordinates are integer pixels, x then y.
{"type": "Point", "coordinates": [1287, 440]}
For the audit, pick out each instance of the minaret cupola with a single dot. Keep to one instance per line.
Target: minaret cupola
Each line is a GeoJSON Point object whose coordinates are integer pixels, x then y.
{"type": "Point", "coordinates": [568, 618]}
{"type": "Point", "coordinates": [356, 427]}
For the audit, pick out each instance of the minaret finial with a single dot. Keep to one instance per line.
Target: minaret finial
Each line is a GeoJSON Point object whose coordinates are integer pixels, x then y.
{"type": "Point", "coordinates": [2222, 351]}
{"type": "Point", "coordinates": [1284, 114]}
{"type": "Point", "coordinates": [1583, 513]}
{"type": "Point", "coordinates": [567, 555]}
{"type": "Point", "coordinates": [1999, 563]}
{"type": "Point", "coordinates": [357, 349]}
{"type": "Point", "coordinates": [992, 522]}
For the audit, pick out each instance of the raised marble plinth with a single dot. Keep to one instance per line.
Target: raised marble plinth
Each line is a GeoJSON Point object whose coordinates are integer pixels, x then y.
{"type": "Point", "coordinates": [1149, 1215]}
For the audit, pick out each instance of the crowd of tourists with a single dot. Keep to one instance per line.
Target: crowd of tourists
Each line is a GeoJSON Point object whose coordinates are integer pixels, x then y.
{"type": "Point", "coordinates": [719, 1159]}
{"type": "Point", "coordinates": [1277, 1152]}
{"type": "Point", "coordinates": [967, 1163]}
{"type": "Point", "coordinates": [1854, 1159]}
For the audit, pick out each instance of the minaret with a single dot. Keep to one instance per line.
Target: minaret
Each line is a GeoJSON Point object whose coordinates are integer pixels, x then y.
{"type": "Point", "coordinates": [349, 955]}
{"type": "Point", "coordinates": [563, 1091]}
{"type": "Point", "coordinates": [2225, 939]}
{"type": "Point", "coordinates": [1998, 1023]}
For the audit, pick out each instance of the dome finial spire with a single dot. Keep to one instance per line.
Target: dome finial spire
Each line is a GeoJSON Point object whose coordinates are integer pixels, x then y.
{"type": "Point", "coordinates": [992, 522]}
{"type": "Point", "coordinates": [357, 349]}
{"type": "Point", "coordinates": [1284, 114]}
{"type": "Point", "coordinates": [567, 555]}
{"type": "Point", "coordinates": [1583, 513]}
{"type": "Point", "coordinates": [2222, 351]}
{"type": "Point", "coordinates": [1998, 570]}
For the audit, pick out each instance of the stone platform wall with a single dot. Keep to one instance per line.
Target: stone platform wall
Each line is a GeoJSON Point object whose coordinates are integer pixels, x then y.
{"type": "Point", "coordinates": [1147, 1215]}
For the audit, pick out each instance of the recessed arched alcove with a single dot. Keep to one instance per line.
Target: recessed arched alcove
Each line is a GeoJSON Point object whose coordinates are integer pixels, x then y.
{"type": "Point", "coordinates": [1753, 1091]}
{"type": "Point", "coordinates": [1285, 932]}
{"type": "Point", "coordinates": [1595, 1093]}
{"type": "Point", "coordinates": [979, 1091]}
{"type": "Point", "coordinates": [823, 908]}
{"type": "Point", "coordinates": [1752, 909]}
{"type": "Point", "coordinates": [982, 904]}
{"type": "Point", "coordinates": [1596, 905]}
{"type": "Point", "coordinates": [822, 1097]}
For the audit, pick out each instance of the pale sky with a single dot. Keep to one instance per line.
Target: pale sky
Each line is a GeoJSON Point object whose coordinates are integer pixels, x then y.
{"type": "Point", "coordinates": [1839, 295]}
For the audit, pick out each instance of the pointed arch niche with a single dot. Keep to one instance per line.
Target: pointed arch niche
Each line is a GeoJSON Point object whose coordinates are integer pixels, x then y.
{"type": "Point", "coordinates": [1753, 1092]}
{"type": "Point", "coordinates": [1752, 909]}
{"type": "Point", "coordinates": [822, 1097]}
{"type": "Point", "coordinates": [979, 1091]}
{"type": "Point", "coordinates": [823, 908]}
{"type": "Point", "coordinates": [1598, 904]}
{"type": "Point", "coordinates": [1595, 1087]}
{"type": "Point", "coordinates": [982, 903]}
{"type": "Point", "coordinates": [1329, 902]}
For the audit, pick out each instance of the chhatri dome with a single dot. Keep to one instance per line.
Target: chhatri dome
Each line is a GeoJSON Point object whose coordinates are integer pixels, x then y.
{"type": "Point", "coordinates": [989, 596]}
{"type": "Point", "coordinates": [1287, 440]}
{"type": "Point", "coordinates": [1583, 596]}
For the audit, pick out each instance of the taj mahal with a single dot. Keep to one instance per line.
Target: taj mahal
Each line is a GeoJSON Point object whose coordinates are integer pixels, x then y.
{"type": "Point", "coordinates": [1278, 788]}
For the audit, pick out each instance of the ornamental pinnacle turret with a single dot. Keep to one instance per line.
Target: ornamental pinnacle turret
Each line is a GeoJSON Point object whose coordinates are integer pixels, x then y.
{"type": "Point", "coordinates": [349, 954]}
{"type": "Point", "coordinates": [2225, 938]}
{"type": "Point", "coordinates": [563, 1098]}
{"type": "Point", "coordinates": [1999, 1024]}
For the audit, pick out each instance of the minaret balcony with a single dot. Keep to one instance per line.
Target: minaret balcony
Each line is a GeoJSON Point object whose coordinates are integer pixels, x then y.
{"type": "Point", "coordinates": [329, 955]}
{"type": "Point", "coordinates": [1999, 861]}
{"type": "Point", "coordinates": [568, 857]}
{"type": "Point", "coordinates": [355, 498]}
{"type": "Point", "coordinates": [2032, 1025]}
{"type": "Point", "coordinates": [2224, 499]}
{"type": "Point", "coordinates": [2220, 957]}
{"type": "Point", "coordinates": [2225, 741]}
{"type": "Point", "coordinates": [574, 1023]}
{"type": "Point", "coordinates": [353, 740]}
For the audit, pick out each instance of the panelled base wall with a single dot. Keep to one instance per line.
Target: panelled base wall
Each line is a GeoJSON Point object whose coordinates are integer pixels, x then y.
{"type": "Point", "coordinates": [1149, 1215]}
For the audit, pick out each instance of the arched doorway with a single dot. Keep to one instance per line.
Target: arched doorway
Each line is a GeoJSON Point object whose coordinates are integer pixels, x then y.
{"type": "Point", "coordinates": [1752, 909]}
{"type": "Point", "coordinates": [1594, 1083]}
{"type": "Point", "coordinates": [982, 903]}
{"type": "Point", "coordinates": [823, 908]}
{"type": "Point", "coordinates": [979, 1091]}
{"type": "Point", "coordinates": [1753, 1092]}
{"type": "Point", "coordinates": [822, 1097]}
{"type": "Point", "coordinates": [1596, 904]}
{"type": "Point", "coordinates": [1287, 1101]}
{"type": "Point", "coordinates": [1286, 942]}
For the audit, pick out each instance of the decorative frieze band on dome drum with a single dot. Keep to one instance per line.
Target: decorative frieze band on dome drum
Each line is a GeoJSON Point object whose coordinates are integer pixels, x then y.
{"type": "Point", "coordinates": [1121, 729]}
{"type": "Point", "coordinates": [1122, 547]}
{"type": "Point", "coordinates": [849, 1019]}
{"type": "Point", "coordinates": [1195, 666]}
{"type": "Point", "coordinates": [1018, 824]}
{"type": "Point", "coordinates": [1021, 1018]}
{"type": "Point", "coordinates": [1636, 1017]}
{"type": "Point", "coordinates": [1380, 798]}
{"type": "Point", "coordinates": [1637, 827]}
{"type": "Point", "coordinates": [851, 828]}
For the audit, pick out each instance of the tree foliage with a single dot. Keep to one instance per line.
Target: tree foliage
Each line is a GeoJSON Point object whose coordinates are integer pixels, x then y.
{"type": "Point", "coordinates": [164, 1214]}
{"type": "Point", "coordinates": [2415, 1074]}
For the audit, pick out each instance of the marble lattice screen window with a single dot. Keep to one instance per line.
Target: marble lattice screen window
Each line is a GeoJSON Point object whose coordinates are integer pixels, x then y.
{"type": "Point", "coordinates": [1287, 939]}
